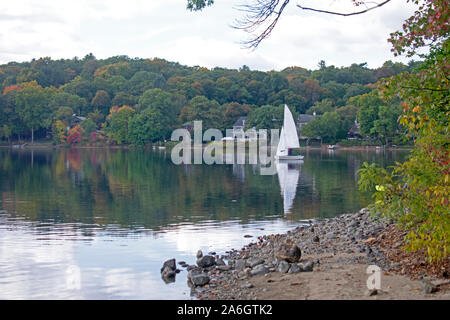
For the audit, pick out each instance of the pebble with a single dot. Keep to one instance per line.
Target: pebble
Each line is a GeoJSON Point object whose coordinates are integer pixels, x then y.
{"type": "Point", "coordinates": [283, 267]}
{"type": "Point", "coordinates": [259, 270]}
{"type": "Point", "coordinates": [428, 287]}
{"type": "Point", "coordinates": [282, 252]}
{"type": "Point", "coordinates": [253, 262]}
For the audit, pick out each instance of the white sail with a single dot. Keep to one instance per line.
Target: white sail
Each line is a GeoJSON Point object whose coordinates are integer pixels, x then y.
{"type": "Point", "coordinates": [288, 135]}
{"type": "Point", "coordinates": [282, 149]}
{"type": "Point", "coordinates": [290, 130]}
{"type": "Point", "coordinates": [288, 175]}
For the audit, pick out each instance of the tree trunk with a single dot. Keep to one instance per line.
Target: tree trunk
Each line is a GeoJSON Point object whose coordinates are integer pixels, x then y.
{"type": "Point", "coordinates": [32, 135]}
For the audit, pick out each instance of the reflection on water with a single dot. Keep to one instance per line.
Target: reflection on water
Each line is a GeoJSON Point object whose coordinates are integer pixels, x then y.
{"type": "Point", "coordinates": [288, 174]}
{"type": "Point", "coordinates": [97, 224]}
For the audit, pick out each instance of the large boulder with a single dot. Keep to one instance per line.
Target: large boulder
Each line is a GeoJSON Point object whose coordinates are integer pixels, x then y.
{"type": "Point", "coordinates": [170, 264]}
{"type": "Point", "coordinates": [206, 261]}
{"type": "Point", "coordinates": [288, 251]}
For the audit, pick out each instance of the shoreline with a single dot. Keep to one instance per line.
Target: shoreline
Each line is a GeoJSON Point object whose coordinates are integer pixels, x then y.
{"type": "Point", "coordinates": [331, 263]}
{"type": "Point", "coordinates": [129, 147]}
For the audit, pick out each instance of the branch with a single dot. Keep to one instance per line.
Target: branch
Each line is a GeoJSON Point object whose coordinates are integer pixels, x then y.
{"type": "Point", "coordinates": [345, 14]}
{"type": "Point", "coordinates": [264, 14]}
{"type": "Point", "coordinates": [257, 15]}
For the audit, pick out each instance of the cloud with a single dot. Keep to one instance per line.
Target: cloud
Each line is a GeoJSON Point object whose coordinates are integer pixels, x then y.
{"type": "Point", "coordinates": [137, 28]}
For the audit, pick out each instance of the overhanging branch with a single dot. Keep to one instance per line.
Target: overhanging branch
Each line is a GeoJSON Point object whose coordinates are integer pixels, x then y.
{"type": "Point", "coordinates": [344, 14]}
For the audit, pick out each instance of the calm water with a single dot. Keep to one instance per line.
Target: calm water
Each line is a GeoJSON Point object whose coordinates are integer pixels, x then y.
{"type": "Point", "coordinates": [97, 224]}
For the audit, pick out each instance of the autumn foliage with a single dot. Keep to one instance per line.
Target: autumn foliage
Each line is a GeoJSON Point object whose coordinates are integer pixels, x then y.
{"type": "Point", "coordinates": [11, 88]}
{"type": "Point", "coordinates": [75, 134]}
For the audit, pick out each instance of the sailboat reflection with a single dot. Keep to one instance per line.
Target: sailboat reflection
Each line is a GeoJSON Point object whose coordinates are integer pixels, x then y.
{"type": "Point", "coordinates": [288, 175]}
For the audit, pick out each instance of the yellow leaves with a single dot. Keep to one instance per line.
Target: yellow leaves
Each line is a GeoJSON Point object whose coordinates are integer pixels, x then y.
{"type": "Point", "coordinates": [380, 188]}
{"type": "Point", "coordinates": [416, 109]}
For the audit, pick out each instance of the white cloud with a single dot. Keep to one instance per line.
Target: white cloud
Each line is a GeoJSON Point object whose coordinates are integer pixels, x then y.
{"type": "Point", "coordinates": [138, 28]}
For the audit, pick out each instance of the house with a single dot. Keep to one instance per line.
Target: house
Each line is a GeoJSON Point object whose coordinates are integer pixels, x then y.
{"type": "Point", "coordinates": [77, 119]}
{"type": "Point", "coordinates": [238, 127]}
{"type": "Point", "coordinates": [353, 133]}
{"type": "Point", "coordinates": [189, 126]}
{"type": "Point", "coordinates": [303, 120]}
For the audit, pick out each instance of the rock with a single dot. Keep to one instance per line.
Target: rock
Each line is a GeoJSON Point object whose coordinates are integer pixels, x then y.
{"type": "Point", "coordinates": [199, 254]}
{"type": "Point", "coordinates": [283, 267]}
{"type": "Point", "coordinates": [428, 286]}
{"type": "Point", "coordinates": [247, 286]}
{"type": "Point", "coordinates": [220, 262]}
{"type": "Point", "coordinates": [239, 264]}
{"type": "Point", "coordinates": [171, 264]}
{"type": "Point", "coordinates": [316, 238]}
{"type": "Point", "coordinates": [248, 236]}
{"type": "Point", "coordinates": [200, 279]}
{"type": "Point", "coordinates": [259, 269]}
{"type": "Point", "coordinates": [181, 263]}
{"type": "Point", "coordinates": [330, 235]}
{"type": "Point", "coordinates": [194, 272]}
{"type": "Point", "coordinates": [306, 267]}
{"type": "Point", "coordinates": [166, 273]}
{"type": "Point", "coordinates": [206, 261]}
{"type": "Point", "coordinates": [371, 292]}
{"type": "Point", "coordinates": [253, 262]}
{"type": "Point", "coordinates": [294, 268]}
{"type": "Point", "coordinates": [289, 252]}
{"type": "Point", "coordinates": [223, 268]}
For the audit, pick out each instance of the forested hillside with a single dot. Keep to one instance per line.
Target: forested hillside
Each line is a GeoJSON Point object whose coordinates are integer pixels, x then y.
{"type": "Point", "coordinates": [139, 101]}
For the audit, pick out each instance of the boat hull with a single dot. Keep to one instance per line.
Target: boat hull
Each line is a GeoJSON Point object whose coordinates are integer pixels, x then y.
{"type": "Point", "coordinates": [297, 157]}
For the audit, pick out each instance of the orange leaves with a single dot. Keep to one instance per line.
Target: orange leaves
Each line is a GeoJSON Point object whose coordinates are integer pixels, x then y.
{"type": "Point", "coordinates": [11, 88]}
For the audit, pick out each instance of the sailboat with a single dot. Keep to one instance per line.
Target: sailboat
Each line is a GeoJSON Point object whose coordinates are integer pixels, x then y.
{"type": "Point", "coordinates": [288, 138]}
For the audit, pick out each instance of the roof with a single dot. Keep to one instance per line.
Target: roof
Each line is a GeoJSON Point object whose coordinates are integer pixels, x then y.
{"type": "Point", "coordinates": [354, 129]}
{"type": "Point", "coordinates": [240, 122]}
{"type": "Point", "coordinates": [305, 118]}
{"type": "Point", "coordinates": [79, 117]}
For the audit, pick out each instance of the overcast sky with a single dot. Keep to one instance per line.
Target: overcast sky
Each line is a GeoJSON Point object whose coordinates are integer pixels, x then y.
{"type": "Point", "coordinates": [165, 29]}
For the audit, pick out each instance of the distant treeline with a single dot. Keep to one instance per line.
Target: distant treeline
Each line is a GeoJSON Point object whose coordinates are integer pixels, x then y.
{"type": "Point", "coordinates": [138, 101]}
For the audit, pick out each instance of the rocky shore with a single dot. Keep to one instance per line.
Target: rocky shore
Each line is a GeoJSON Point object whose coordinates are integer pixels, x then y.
{"type": "Point", "coordinates": [327, 259]}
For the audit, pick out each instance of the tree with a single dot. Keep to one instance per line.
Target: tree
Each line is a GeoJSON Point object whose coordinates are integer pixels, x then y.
{"type": "Point", "coordinates": [146, 127]}
{"type": "Point", "coordinates": [266, 117]}
{"type": "Point", "coordinates": [320, 107]}
{"type": "Point", "coordinates": [6, 132]}
{"type": "Point", "coordinates": [75, 134]}
{"type": "Point", "coordinates": [59, 132]}
{"type": "Point", "coordinates": [64, 114]}
{"type": "Point", "coordinates": [415, 193]}
{"type": "Point", "coordinates": [163, 103]}
{"type": "Point", "coordinates": [348, 116]}
{"type": "Point", "coordinates": [233, 111]}
{"type": "Point", "coordinates": [101, 101]}
{"type": "Point", "coordinates": [201, 108]}
{"type": "Point", "coordinates": [89, 127]}
{"type": "Point", "coordinates": [118, 126]}
{"type": "Point", "coordinates": [377, 117]}
{"type": "Point", "coordinates": [327, 126]}
{"type": "Point", "coordinates": [32, 107]}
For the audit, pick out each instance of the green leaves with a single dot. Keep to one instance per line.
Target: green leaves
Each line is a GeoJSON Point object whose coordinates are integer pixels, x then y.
{"type": "Point", "coordinates": [417, 191]}
{"type": "Point", "coordinates": [197, 5]}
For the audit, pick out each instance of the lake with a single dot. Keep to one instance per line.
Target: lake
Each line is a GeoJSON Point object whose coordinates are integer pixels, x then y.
{"type": "Point", "coordinates": [99, 223]}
